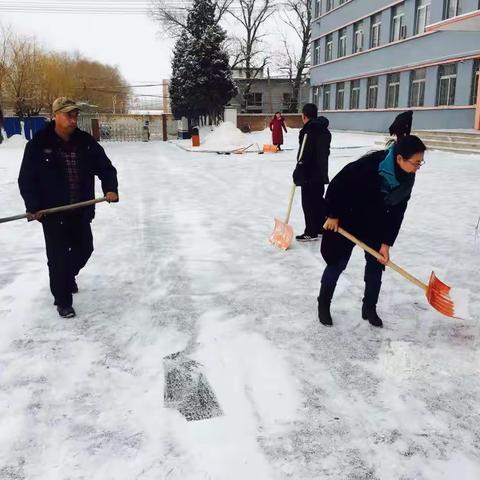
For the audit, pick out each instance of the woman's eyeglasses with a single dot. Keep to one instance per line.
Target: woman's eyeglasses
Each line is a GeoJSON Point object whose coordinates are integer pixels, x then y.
{"type": "Point", "coordinates": [416, 164]}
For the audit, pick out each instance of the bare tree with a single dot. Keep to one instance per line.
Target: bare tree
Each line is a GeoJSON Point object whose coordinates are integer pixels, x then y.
{"type": "Point", "coordinates": [252, 15]}
{"type": "Point", "coordinates": [172, 14]}
{"type": "Point", "coordinates": [298, 16]}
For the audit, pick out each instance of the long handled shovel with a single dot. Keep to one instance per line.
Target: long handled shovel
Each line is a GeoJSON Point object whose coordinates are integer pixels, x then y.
{"type": "Point", "coordinates": [63, 208]}
{"type": "Point", "coordinates": [436, 291]}
{"type": "Point", "coordinates": [283, 232]}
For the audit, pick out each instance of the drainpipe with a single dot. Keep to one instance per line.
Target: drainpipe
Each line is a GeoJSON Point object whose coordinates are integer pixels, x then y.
{"type": "Point", "coordinates": [477, 110]}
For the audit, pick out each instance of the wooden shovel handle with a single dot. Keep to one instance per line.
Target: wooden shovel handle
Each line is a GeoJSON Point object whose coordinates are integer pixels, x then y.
{"type": "Point", "coordinates": [377, 255]}
{"type": "Point", "coordinates": [63, 208]}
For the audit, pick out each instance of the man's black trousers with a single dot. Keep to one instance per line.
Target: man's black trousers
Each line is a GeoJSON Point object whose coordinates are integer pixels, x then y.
{"type": "Point", "coordinates": [314, 207]}
{"type": "Point", "coordinates": [69, 243]}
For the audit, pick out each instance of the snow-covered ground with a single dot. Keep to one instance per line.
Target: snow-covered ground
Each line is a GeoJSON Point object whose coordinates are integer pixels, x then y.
{"type": "Point", "coordinates": [183, 262]}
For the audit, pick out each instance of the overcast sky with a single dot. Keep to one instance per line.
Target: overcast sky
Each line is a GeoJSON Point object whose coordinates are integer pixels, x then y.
{"type": "Point", "coordinates": [132, 42]}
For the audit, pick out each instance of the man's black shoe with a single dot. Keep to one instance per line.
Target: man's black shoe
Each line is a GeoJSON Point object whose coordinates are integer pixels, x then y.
{"type": "Point", "coordinates": [66, 312]}
{"type": "Point", "coordinates": [306, 238]}
{"type": "Point", "coordinates": [370, 314]}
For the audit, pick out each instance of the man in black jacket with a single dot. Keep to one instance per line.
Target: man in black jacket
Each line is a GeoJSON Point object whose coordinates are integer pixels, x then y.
{"type": "Point", "coordinates": [58, 168]}
{"type": "Point", "coordinates": [311, 171]}
{"type": "Point", "coordinates": [367, 198]}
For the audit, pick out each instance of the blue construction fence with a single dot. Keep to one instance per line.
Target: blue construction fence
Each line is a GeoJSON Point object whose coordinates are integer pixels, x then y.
{"type": "Point", "coordinates": [31, 125]}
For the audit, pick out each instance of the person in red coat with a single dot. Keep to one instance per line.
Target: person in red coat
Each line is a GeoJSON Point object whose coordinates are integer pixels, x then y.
{"type": "Point", "coordinates": [276, 125]}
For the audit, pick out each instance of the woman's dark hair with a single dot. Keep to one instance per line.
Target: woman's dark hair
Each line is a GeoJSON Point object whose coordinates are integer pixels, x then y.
{"type": "Point", "coordinates": [408, 146]}
{"type": "Point", "coordinates": [275, 114]}
{"type": "Point", "coordinates": [402, 125]}
{"type": "Point", "coordinates": [310, 110]}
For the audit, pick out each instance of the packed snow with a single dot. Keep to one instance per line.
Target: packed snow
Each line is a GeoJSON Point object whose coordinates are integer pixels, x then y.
{"type": "Point", "coordinates": [183, 264]}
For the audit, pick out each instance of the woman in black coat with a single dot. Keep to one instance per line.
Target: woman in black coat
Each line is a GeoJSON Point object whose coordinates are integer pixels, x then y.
{"type": "Point", "coordinates": [368, 198]}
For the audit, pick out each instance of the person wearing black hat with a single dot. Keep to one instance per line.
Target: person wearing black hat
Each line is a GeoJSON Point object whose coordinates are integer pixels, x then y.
{"type": "Point", "coordinates": [402, 125]}
{"type": "Point", "coordinates": [59, 168]}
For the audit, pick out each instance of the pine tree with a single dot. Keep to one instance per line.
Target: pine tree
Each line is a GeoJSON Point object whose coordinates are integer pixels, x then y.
{"type": "Point", "coordinates": [201, 76]}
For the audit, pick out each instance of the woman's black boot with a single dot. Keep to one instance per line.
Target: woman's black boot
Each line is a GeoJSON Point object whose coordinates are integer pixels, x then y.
{"type": "Point", "coordinates": [324, 300]}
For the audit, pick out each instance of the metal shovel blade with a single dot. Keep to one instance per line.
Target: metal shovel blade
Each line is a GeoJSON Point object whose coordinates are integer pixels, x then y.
{"type": "Point", "coordinates": [282, 235]}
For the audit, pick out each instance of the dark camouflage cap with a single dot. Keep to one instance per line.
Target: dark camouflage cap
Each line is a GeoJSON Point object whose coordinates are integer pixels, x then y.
{"type": "Point", "coordinates": [64, 104]}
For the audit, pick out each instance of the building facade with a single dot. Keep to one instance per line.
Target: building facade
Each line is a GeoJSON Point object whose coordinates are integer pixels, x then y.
{"type": "Point", "coordinates": [266, 94]}
{"type": "Point", "coordinates": [374, 58]}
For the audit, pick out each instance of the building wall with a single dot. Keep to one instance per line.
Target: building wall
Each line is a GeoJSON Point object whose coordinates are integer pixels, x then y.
{"type": "Point", "coordinates": [272, 91]}
{"type": "Point", "coordinates": [258, 122]}
{"type": "Point", "coordinates": [431, 50]}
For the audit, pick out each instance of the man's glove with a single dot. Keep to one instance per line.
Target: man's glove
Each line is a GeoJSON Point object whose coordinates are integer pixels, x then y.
{"type": "Point", "coordinates": [299, 175]}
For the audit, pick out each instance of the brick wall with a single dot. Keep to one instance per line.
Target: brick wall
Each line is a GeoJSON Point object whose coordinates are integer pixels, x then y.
{"type": "Point", "coordinates": [260, 121]}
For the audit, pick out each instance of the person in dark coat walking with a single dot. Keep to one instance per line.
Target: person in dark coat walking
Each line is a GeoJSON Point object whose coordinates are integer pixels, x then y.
{"type": "Point", "coordinates": [367, 198]}
{"type": "Point", "coordinates": [277, 127]}
{"type": "Point", "coordinates": [311, 171]}
{"type": "Point", "coordinates": [59, 168]}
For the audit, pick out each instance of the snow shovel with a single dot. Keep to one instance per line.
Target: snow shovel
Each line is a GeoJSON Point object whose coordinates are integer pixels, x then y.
{"type": "Point", "coordinates": [283, 232]}
{"type": "Point", "coordinates": [436, 291]}
{"type": "Point", "coordinates": [63, 208]}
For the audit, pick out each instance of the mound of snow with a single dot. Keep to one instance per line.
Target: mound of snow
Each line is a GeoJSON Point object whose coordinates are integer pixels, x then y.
{"type": "Point", "coordinates": [225, 136]}
{"type": "Point", "coordinates": [14, 141]}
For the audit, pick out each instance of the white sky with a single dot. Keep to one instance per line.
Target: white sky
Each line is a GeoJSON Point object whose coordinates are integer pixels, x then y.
{"type": "Point", "coordinates": [129, 41]}
{"type": "Point", "coordinates": [132, 42]}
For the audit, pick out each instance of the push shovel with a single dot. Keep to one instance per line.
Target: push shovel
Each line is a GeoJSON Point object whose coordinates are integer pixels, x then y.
{"type": "Point", "coordinates": [283, 232]}
{"type": "Point", "coordinates": [437, 292]}
{"type": "Point", "coordinates": [63, 208]}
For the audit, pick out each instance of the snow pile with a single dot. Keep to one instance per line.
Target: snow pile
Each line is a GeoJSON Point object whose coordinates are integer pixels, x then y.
{"type": "Point", "coordinates": [14, 141]}
{"type": "Point", "coordinates": [225, 136]}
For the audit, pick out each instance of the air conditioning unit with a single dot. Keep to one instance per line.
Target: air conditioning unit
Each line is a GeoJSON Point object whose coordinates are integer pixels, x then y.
{"type": "Point", "coordinates": [403, 31]}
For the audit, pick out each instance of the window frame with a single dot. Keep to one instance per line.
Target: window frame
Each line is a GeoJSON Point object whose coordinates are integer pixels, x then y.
{"type": "Point", "coordinates": [327, 91]}
{"type": "Point", "coordinates": [416, 94]}
{"type": "Point", "coordinates": [420, 7]}
{"type": "Point", "coordinates": [355, 94]}
{"type": "Point", "coordinates": [375, 30]}
{"type": "Point", "coordinates": [396, 87]}
{"type": "Point", "coordinates": [372, 87]}
{"type": "Point", "coordinates": [449, 79]}
{"type": "Point", "coordinates": [337, 97]}
{"type": "Point", "coordinates": [397, 19]}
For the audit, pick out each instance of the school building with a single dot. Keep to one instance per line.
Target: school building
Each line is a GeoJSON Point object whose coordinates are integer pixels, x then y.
{"type": "Point", "coordinates": [373, 58]}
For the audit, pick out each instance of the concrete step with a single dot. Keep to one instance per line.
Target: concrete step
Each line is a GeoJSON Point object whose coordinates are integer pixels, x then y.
{"type": "Point", "coordinates": [454, 136]}
{"type": "Point", "coordinates": [459, 147]}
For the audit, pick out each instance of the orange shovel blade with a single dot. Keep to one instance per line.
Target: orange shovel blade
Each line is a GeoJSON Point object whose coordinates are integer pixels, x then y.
{"type": "Point", "coordinates": [282, 234]}
{"type": "Point", "coordinates": [438, 296]}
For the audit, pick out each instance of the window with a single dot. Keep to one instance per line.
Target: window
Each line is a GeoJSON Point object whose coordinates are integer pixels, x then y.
{"type": "Point", "coordinates": [317, 8]}
{"type": "Point", "coordinates": [372, 92]}
{"type": "Point", "coordinates": [417, 88]}
{"type": "Point", "coordinates": [253, 102]}
{"type": "Point", "coordinates": [340, 95]}
{"type": "Point", "coordinates": [329, 47]}
{"type": "Point", "coordinates": [422, 17]}
{"type": "Point", "coordinates": [316, 52]}
{"type": "Point", "coordinates": [476, 74]}
{"type": "Point", "coordinates": [452, 8]}
{"type": "Point", "coordinates": [393, 89]}
{"type": "Point", "coordinates": [397, 31]}
{"type": "Point", "coordinates": [329, 5]}
{"type": "Point", "coordinates": [376, 23]}
{"type": "Point", "coordinates": [357, 37]}
{"type": "Point", "coordinates": [286, 101]}
{"type": "Point", "coordinates": [326, 97]}
{"type": "Point", "coordinates": [447, 79]}
{"type": "Point", "coordinates": [354, 94]}
{"type": "Point", "coordinates": [342, 42]}
{"type": "Point", "coordinates": [315, 95]}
